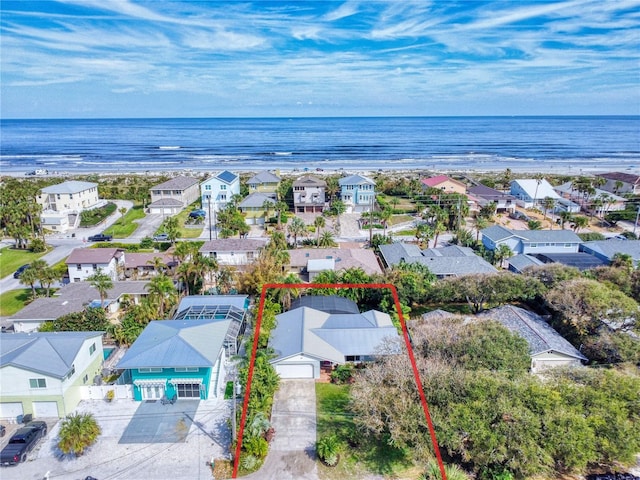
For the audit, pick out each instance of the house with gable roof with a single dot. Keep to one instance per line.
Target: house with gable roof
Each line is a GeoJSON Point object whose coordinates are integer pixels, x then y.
{"type": "Point", "coordinates": [605, 250]}
{"type": "Point", "coordinates": [530, 193]}
{"type": "Point", "coordinates": [357, 193]}
{"type": "Point", "coordinates": [217, 190]}
{"type": "Point", "coordinates": [547, 347]}
{"type": "Point", "coordinates": [62, 203]}
{"type": "Point", "coordinates": [444, 183]}
{"type": "Point", "coordinates": [308, 262]}
{"type": "Point", "coordinates": [172, 196]}
{"type": "Point", "coordinates": [264, 182]}
{"type": "Point", "coordinates": [236, 252]}
{"type": "Point", "coordinates": [42, 373]}
{"type": "Point", "coordinates": [620, 183]}
{"type": "Point", "coordinates": [256, 207]}
{"type": "Point", "coordinates": [484, 195]}
{"type": "Point", "coordinates": [308, 337]}
{"type": "Point", "coordinates": [309, 194]}
{"type": "Point", "coordinates": [531, 241]}
{"type": "Point", "coordinates": [84, 262]}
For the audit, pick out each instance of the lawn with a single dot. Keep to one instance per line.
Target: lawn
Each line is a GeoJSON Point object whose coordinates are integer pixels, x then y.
{"type": "Point", "coordinates": [12, 301]}
{"type": "Point", "coordinates": [125, 226]}
{"type": "Point", "coordinates": [184, 231]}
{"type": "Point", "coordinates": [11, 259]}
{"type": "Point", "coordinates": [360, 455]}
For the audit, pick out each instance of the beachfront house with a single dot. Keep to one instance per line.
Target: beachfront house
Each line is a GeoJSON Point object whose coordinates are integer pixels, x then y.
{"type": "Point", "coordinates": [445, 184]}
{"type": "Point", "coordinates": [257, 207]}
{"type": "Point", "coordinates": [43, 373]}
{"type": "Point", "coordinates": [531, 193]}
{"type": "Point", "coordinates": [357, 193]}
{"type": "Point", "coordinates": [172, 196]}
{"type": "Point", "coordinates": [217, 190]}
{"type": "Point", "coordinates": [74, 298]}
{"type": "Point", "coordinates": [84, 262]}
{"type": "Point", "coordinates": [531, 241]}
{"type": "Point", "coordinates": [484, 195]}
{"type": "Point", "coordinates": [309, 194]}
{"type": "Point", "coordinates": [598, 201]}
{"type": "Point", "coordinates": [450, 261]}
{"type": "Point", "coordinates": [307, 338]}
{"type": "Point", "coordinates": [620, 183]}
{"type": "Point", "coordinates": [63, 203]}
{"type": "Point", "coordinates": [264, 182]}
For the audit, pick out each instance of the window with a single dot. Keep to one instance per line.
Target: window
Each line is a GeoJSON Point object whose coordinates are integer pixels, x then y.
{"type": "Point", "coordinates": [71, 196]}
{"type": "Point", "coordinates": [92, 348]}
{"type": "Point", "coordinates": [85, 379]}
{"type": "Point", "coordinates": [186, 369]}
{"type": "Point", "coordinates": [223, 187]}
{"type": "Point", "coordinates": [250, 256]}
{"type": "Point", "coordinates": [207, 187]}
{"type": "Point", "coordinates": [150, 370]}
{"type": "Point", "coordinates": [73, 370]}
{"type": "Point", "coordinates": [189, 390]}
{"type": "Point", "coordinates": [78, 266]}
{"type": "Point", "coordinates": [353, 358]}
{"type": "Point", "coordinates": [534, 245]}
{"type": "Point", "coordinates": [37, 383]}
{"type": "Point", "coordinates": [94, 266]}
{"type": "Point", "coordinates": [568, 245]}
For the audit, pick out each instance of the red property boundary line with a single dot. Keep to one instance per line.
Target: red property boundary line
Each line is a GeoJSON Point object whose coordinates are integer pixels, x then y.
{"type": "Point", "coordinates": [416, 374]}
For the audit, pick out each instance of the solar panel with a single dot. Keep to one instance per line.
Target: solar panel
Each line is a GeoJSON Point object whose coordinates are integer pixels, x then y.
{"type": "Point", "coordinates": [582, 261]}
{"type": "Point", "coordinates": [227, 176]}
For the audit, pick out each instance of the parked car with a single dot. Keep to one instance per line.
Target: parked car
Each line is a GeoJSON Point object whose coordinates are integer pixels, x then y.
{"type": "Point", "coordinates": [19, 271]}
{"type": "Point", "coordinates": [22, 442]}
{"type": "Point", "coordinates": [161, 237]}
{"type": "Point", "coordinates": [519, 216]}
{"type": "Point", "coordinates": [101, 237]}
{"type": "Point", "coordinates": [3, 430]}
{"type": "Point", "coordinates": [198, 214]}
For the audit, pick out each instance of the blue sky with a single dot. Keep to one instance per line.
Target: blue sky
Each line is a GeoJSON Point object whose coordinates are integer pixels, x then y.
{"type": "Point", "coordinates": [120, 58]}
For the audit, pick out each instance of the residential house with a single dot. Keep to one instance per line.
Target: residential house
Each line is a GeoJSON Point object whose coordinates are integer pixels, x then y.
{"type": "Point", "coordinates": [308, 262]}
{"type": "Point", "coordinates": [620, 183]}
{"type": "Point", "coordinates": [531, 241]}
{"type": "Point", "coordinates": [607, 249]}
{"type": "Point", "coordinates": [217, 191]}
{"type": "Point", "coordinates": [171, 197]}
{"type": "Point", "coordinates": [264, 182]}
{"type": "Point", "coordinates": [580, 260]}
{"type": "Point", "coordinates": [255, 210]}
{"type": "Point", "coordinates": [309, 195]}
{"type": "Point", "coordinates": [185, 358]}
{"type": "Point", "coordinates": [234, 252]}
{"type": "Point", "coordinates": [84, 262]}
{"type": "Point", "coordinates": [599, 201]}
{"type": "Point", "coordinates": [484, 195]}
{"type": "Point", "coordinates": [531, 193]}
{"type": "Point", "coordinates": [42, 373]}
{"type": "Point", "coordinates": [450, 261]}
{"type": "Point", "coordinates": [75, 297]}
{"type": "Point", "coordinates": [307, 338]}
{"type": "Point", "coordinates": [444, 183]}
{"type": "Point", "coordinates": [63, 203]}
{"type": "Point", "coordinates": [547, 347]}
{"type": "Point", "coordinates": [357, 193]}
{"type": "Point", "coordinates": [137, 265]}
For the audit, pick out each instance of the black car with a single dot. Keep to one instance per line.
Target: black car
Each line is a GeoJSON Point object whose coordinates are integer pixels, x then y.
{"type": "Point", "coordinates": [19, 271]}
{"type": "Point", "coordinates": [22, 442]}
{"type": "Point", "coordinates": [101, 237]}
{"type": "Point", "coordinates": [198, 214]}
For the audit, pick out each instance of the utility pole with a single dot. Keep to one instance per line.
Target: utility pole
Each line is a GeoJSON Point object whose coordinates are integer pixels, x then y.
{"type": "Point", "coordinates": [215, 220]}
{"type": "Point", "coordinates": [371, 222]}
{"type": "Point", "coordinates": [209, 205]}
{"type": "Point", "coordinates": [635, 225]}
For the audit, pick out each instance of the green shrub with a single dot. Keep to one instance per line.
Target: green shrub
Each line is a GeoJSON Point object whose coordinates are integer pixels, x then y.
{"type": "Point", "coordinates": [78, 431]}
{"type": "Point", "coordinates": [453, 472]}
{"type": "Point", "coordinates": [328, 449]}
{"type": "Point", "coordinates": [343, 373]}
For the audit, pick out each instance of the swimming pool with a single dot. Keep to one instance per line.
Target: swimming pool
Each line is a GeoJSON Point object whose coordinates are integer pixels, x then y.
{"type": "Point", "coordinates": [106, 351]}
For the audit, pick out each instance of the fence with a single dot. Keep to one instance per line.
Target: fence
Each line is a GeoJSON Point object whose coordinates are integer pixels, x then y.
{"type": "Point", "coordinates": [99, 392]}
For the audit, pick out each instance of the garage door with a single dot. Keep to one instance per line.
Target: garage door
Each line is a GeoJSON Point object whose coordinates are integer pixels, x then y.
{"type": "Point", "coordinates": [45, 409]}
{"type": "Point", "coordinates": [304, 370]}
{"type": "Point", "coordinates": [10, 410]}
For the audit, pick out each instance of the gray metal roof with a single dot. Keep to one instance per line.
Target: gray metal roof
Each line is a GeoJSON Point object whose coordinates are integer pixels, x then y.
{"type": "Point", "coordinates": [93, 255]}
{"type": "Point", "coordinates": [263, 177]}
{"type": "Point", "coordinates": [177, 183]}
{"type": "Point", "coordinates": [356, 180]}
{"type": "Point", "coordinates": [227, 176]}
{"type": "Point", "coordinates": [177, 343]}
{"type": "Point", "coordinates": [534, 329]}
{"type": "Point", "coordinates": [608, 248]}
{"type": "Point", "coordinates": [394, 252]}
{"type": "Point", "coordinates": [71, 186]}
{"type": "Point", "coordinates": [256, 199]}
{"type": "Point", "coordinates": [497, 233]}
{"type": "Point", "coordinates": [449, 251]}
{"type": "Point", "coordinates": [309, 181]}
{"type": "Point", "coordinates": [50, 353]}
{"type": "Point", "coordinates": [232, 245]}
{"type": "Point", "coordinates": [522, 261]}
{"type": "Point", "coordinates": [318, 334]}
{"type": "Point", "coordinates": [326, 303]}
{"type": "Point", "coordinates": [166, 202]}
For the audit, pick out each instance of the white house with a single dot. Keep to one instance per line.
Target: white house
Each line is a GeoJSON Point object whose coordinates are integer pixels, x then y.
{"type": "Point", "coordinates": [530, 193]}
{"type": "Point", "coordinates": [309, 194]}
{"type": "Point", "coordinates": [619, 182]}
{"type": "Point", "coordinates": [84, 262]}
{"type": "Point", "coordinates": [357, 193]}
{"type": "Point", "coordinates": [173, 196]}
{"type": "Point", "coordinates": [233, 251]}
{"type": "Point", "coordinates": [62, 203]}
{"type": "Point", "coordinates": [42, 373]}
{"type": "Point", "coordinates": [216, 191]}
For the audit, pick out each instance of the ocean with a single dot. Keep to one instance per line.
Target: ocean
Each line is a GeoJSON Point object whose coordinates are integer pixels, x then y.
{"type": "Point", "coordinates": [571, 144]}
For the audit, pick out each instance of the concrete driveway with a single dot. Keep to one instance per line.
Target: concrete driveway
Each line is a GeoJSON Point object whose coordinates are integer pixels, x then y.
{"type": "Point", "coordinates": [292, 454]}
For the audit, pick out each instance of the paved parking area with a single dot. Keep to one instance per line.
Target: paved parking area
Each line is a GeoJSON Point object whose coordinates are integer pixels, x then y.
{"type": "Point", "coordinates": [200, 428]}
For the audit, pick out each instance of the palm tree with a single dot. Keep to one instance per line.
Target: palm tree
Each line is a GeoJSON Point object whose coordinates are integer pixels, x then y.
{"type": "Point", "coordinates": [548, 203]}
{"type": "Point", "coordinates": [29, 276]}
{"type": "Point", "coordinates": [122, 211]}
{"type": "Point", "coordinates": [318, 222]}
{"type": "Point", "coordinates": [538, 177]}
{"type": "Point", "coordinates": [618, 185]}
{"type": "Point", "coordinates": [464, 237]}
{"type": "Point", "coordinates": [423, 233]}
{"type": "Point", "coordinates": [280, 207]}
{"type": "Point", "coordinates": [296, 228]}
{"type": "Point", "coordinates": [172, 227]}
{"type": "Point", "coordinates": [501, 254]}
{"type": "Point", "coordinates": [326, 240]}
{"type": "Point", "coordinates": [338, 207]}
{"type": "Point", "coordinates": [78, 431]}
{"type": "Point", "coordinates": [385, 215]}
{"type": "Point", "coordinates": [481, 224]}
{"type": "Point", "coordinates": [580, 222]}
{"type": "Point", "coordinates": [47, 276]}
{"type": "Point", "coordinates": [565, 216]}
{"type": "Point", "coordinates": [101, 282]}
{"type": "Point", "coordinates": [286, 295]}
{"type": "Point", "coordinates": [161, 287]}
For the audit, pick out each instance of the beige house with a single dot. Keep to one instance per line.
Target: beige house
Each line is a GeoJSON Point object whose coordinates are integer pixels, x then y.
{"type": "Point", "coordinates": [62, 203]}
{"type": "Point", "coordinates": [619, 182]}
{"type": "Point", "coordinates": [444, 183]}
{"type": "Point", "coordinates": [264, 182]}
{"type": "Point", "coordinates": [309, 195]}
{"type": "Point", "coordinates": [173, 196]}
